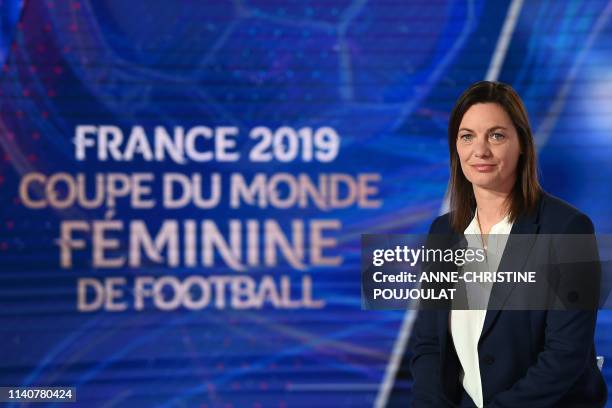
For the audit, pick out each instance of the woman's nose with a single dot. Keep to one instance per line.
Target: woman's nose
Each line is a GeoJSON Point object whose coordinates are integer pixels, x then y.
{"type": "Point", "coordinates": [481, 147]}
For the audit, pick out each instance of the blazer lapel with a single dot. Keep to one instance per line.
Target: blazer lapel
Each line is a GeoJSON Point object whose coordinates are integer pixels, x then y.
{"type": "Point", "coordinates": [456, 241]}
{"type": "Point", "coordinates": [513, 259]}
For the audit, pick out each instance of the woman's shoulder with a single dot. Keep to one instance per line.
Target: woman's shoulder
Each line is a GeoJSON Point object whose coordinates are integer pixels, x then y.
{"type": "Point", "coordinates": [559, 216]}
{"type": "Point", "coordinates": [441, 224]}
{"type": "Point", "coordinates": [555, 216]}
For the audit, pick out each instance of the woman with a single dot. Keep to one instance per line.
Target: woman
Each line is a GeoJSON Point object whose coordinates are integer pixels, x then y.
{"type": "Point", "coordinates": [503, 358]}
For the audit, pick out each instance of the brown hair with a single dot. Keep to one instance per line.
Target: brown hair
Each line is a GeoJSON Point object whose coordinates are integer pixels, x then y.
{"type": "Point", "coordinates": [527, 190]}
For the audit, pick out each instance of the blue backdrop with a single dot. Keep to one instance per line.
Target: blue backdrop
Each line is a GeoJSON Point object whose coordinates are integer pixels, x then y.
{"type": "Point", "coordinates": [382, 75]}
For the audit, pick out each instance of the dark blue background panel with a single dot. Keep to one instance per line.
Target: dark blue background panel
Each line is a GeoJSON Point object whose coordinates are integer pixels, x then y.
{"type": "Point", "coordinates": [382, 75]}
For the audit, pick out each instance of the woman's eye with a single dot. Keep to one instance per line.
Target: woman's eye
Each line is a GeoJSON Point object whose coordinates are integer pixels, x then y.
{"type": "Point", "coordinates": [466, 137]}
{"type": "Point", "coordinates": [497, 136]}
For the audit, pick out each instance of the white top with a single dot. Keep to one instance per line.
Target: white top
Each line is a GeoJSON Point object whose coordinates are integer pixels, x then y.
{"type": "Point", "coordinates": [466, 325]}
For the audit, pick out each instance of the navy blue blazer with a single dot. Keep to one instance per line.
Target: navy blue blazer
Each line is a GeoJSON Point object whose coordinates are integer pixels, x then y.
{"type": "Point", "coordinates": [533, 358]}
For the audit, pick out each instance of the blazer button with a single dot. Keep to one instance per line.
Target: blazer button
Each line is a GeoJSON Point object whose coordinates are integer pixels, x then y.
{"type": "Point", "coordinates": [488, 359]}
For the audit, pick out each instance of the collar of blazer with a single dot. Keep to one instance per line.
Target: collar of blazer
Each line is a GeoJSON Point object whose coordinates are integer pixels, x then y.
{"type": "Point", "coordinates": [510, 261]}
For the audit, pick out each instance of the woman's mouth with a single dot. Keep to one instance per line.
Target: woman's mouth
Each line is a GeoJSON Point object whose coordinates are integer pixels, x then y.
{"type": "Point", "coordinates": [483, 168]}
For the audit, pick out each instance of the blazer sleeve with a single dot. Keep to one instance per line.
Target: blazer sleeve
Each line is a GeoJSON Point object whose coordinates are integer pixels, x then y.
{"type": "Point", "coordinates": [425, 360]}
{"type": "Point", "coordinates": [567, 349]}
{"type": "Point", "coordinates": [425, 363]}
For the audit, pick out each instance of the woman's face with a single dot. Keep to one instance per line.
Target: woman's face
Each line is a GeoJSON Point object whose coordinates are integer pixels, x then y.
{"type": "Point", "coordinates": [488, 147]}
